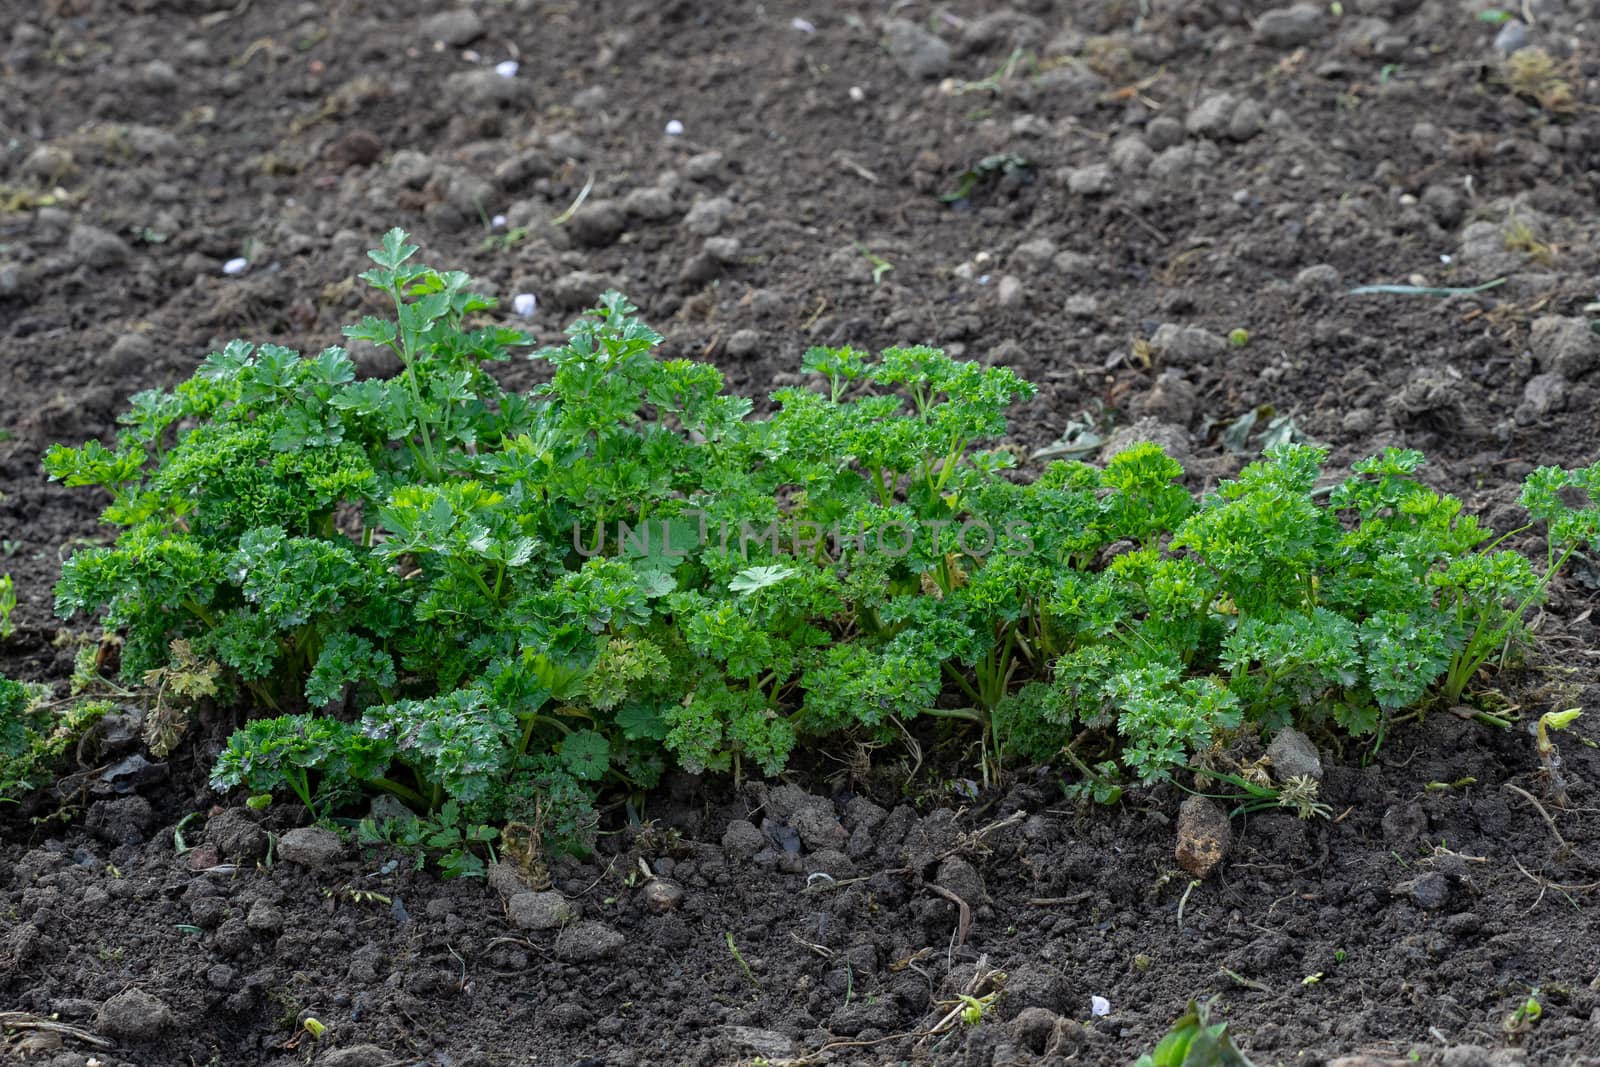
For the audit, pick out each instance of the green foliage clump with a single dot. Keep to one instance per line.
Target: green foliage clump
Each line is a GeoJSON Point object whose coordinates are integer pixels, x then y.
{"type": "Point", "coordinates": [35, 734]}
{"type": "Point", "coordinates": [501, 601]}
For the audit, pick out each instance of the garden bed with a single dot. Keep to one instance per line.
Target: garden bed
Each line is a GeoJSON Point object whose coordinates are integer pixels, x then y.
{"type": "Point", "coordinates": [1155, 218]}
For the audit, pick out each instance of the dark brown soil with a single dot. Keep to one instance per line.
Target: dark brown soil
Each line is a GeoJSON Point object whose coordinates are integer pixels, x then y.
{"type": "Point", "coordinates": [145, 144]}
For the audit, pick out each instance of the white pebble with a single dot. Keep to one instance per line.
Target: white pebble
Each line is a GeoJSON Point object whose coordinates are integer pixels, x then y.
{"type": "Point", "coordinates": [1099, 1006]}
{"type": "Point", "coordinates": [498, 222]}
{"type": "Point", "coordinates": [506, 69]}
{"type": "Point", "coordinates": [525, 304]}
{"type": "Point", "coordinates": [803, 26]}
{"type": "Point", "coordinates": [857, 93]}
{"type": "Point", "coordinates": [674, 128]}
{"type": "Point", "coordinates": [1444, 257]}
{"type": "Point", "coordinates": [237, 265]}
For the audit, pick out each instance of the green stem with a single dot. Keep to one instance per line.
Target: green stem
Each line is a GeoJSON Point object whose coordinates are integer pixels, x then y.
{"type": "Point", "coordinates": [965, 714]}
{"type": "Point", "coordinates": [406, 349]}
{"type": "Point", "coordinates": [404, 792]}
{"type": "Point", "coordinates": [961, 680]}
{"type": "Point", "coordinates": [199, 611]}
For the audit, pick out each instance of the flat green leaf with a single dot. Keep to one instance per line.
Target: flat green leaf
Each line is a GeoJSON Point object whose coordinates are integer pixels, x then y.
{"type": "Point", "coordinates": [586, 754]}
{"type": "Point", "coordinates": [752, 578]}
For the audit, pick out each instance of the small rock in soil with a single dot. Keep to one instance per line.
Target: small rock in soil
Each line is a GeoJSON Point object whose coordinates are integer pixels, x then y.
{"type": "Point", "coordinates": [743, 344]}
{"type": "Point", "coordinates": [97, 249]}
{"type": "Point", "coordinates": [861, 812]}
{"type": "Point", "coordinates": [818, 827]}
{"type": "Point", "coordinates": [703, 167]}
{"type": "Point", "coordinates": [1186, 345]}
{"type": "Point", "coordinates": [699, 270]}
{"type": "Point", "coordinates": [1074, 266]}
{"type": "Point", "coordinates": [1210, 117]}
{"type": "Point", "coordinates": [598, 224]}
{"type": "Point", "coordinates": [1290, 27]}
{"type": "Point", "coordinates": [506, 879]}
{"type": "Point", "coordinates": [1430, 891]}
{"type": "Point", "coordinates": [10, 279]}
{"type": "Point", "coordinates": [1092, 180]}
{"type": "Point", "coordinates": [1293, 755]}
{"type": "Point", "coordinates": [540, 911]}
{"type": "Point", "coordinates": [915, 51]}
{"type": "Point", "coordinates": [264, 917]}
{"type": "Point", "coordinates": [1010, 292]}
{"type": "Point", "coordinates": [1544, 393]}
{"type": "Point", "coordinates": [962, 879]}
{"type": "Point", "coordinates": [742, 839]}
{"type": "Point", "coordinates": [587, 941]}
{"type": "Point", "coordinates": [864, 1013]}
{"type": "Point", "coordinates": [221, 976]}
{"type": "Point", "coordinates": [1011, 29]}
{"type": "Point", "coordinates": [1321, 276]}
{"type": "Point", "coordinates": [1204, 836]}
{"type": "Point", "coordinates": [1565, 345]}
{"type": "Point", "coordinates": [456, 28]}
{"type": "Point", "coordinates": [708, 215]}
{"type": "Point", "coordinates": [207, 911]}
{"type": "Point", "coordinates": [1174, 440]}
{"type": "Point", "coordinates": [47, 163]}
{"type": "Point", "coordinates": [831, 862]}
{"type": "Point", "coordinates": [233, 938]}
{"type": "Point", "coordinates": [651, 204]}
{"type": "Point", "coordinates": [661, 896]}
{"type": "Point", "coordinates": [1513, 37]}
{"type": "Point", "coordinates": [473, 89]}
{"type": "Point", "coordinates": [235, 834]}
{"type": "Point", "coordinates": [1164, 132]}
{"type": "Point", "coordinates": [358, 148]}
{"type": "Point", "coordinates": [723, 249]}
{"type": "Point", "coordinates": [158, 76]}
{"type": "Point", "coordinates": [1171, 399]}
{"type": "Point", "coordinates": [1036, 985]}
{"type": "Point", "coordinates": [577, 290]}
{"type": "Point", "coordinates": [1404, 824]}
{"type": "Point", "coordinates": [516, 173]}
{"type": "Point", "coordinates": [1034, 1027]}
{"type": "Point", "coordinates": [1445, 203]}
{"type": "Point", "coordinates": [310, 846]}
{"type": "Point", "coordinates": [748, 1041]}
{"type": "Point", "coordinates": [133, 1015]}
{"type": "Point", "coordinates": [1248, 119]}
{"type": "Point", "coordinates": [356, 1056]}
{"type": "Point", "coordinates": [1130, 154]}
{"type": "Point", "coordinates": [125, 821]}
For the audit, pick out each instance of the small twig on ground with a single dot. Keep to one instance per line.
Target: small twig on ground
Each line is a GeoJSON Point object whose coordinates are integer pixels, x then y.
{"type": "Point", "coordinates": [964, 920]}
{"type": "Point", "coordinates": [583, 194]}
{"type": "Point", "coordinates": [821, 950]}
{"type": "Point", "coordinates": [21, 1020]}
{"type": "Point", "coordinates": [1248, 983]}
{"type": "Point", "coordinates": [1531, 799]}
{"type": "Point", "coordinates": [1183, 901]}
{"type": "Point", "coordinates": [850, 164]}
{"type": "Point", "coordinates": [1076, 898]}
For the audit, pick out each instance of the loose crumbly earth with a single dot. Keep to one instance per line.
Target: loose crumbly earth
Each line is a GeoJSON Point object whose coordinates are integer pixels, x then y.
{"type": "Point", "coordinates": [1146, 177]}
